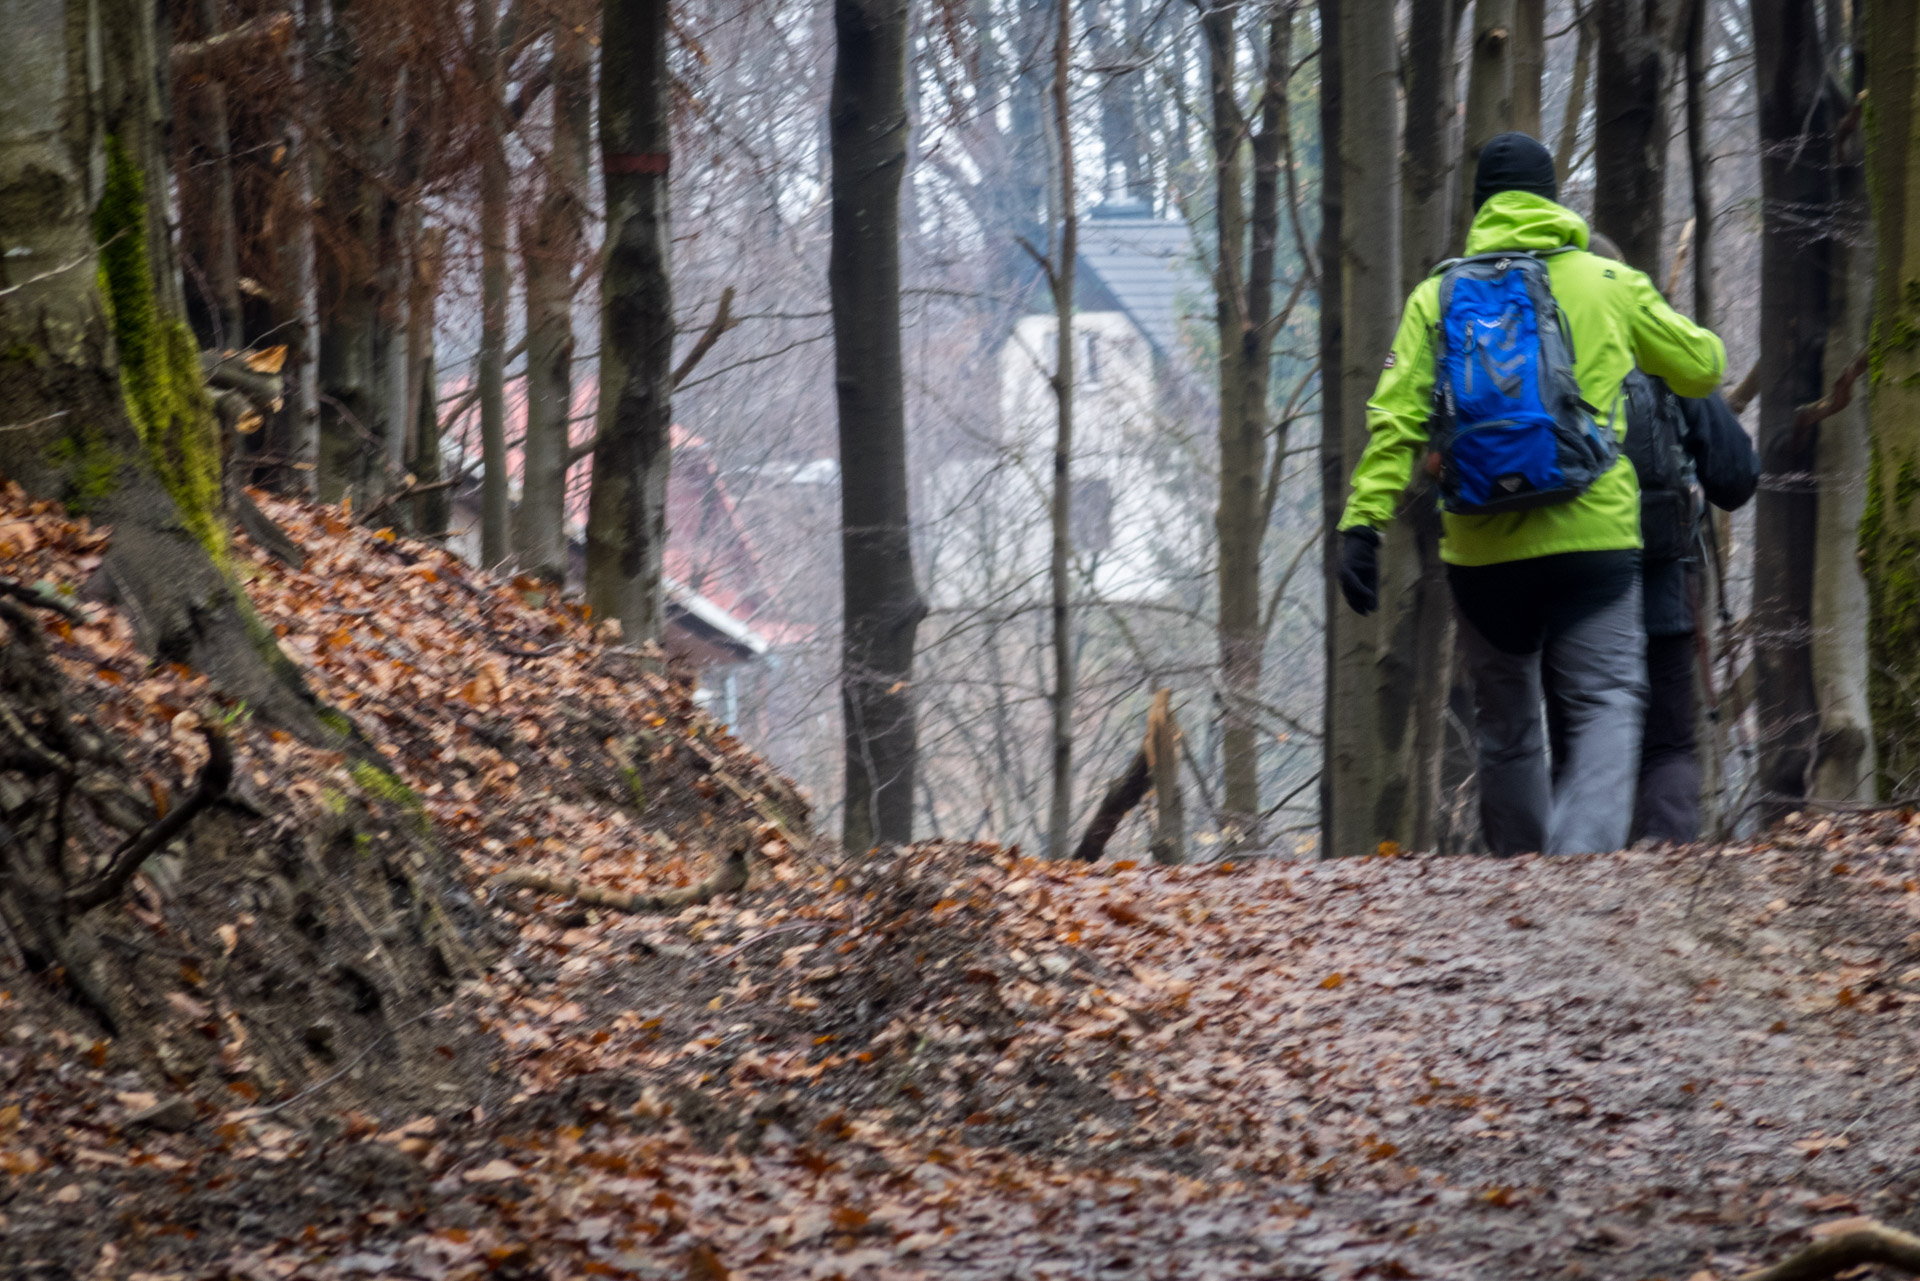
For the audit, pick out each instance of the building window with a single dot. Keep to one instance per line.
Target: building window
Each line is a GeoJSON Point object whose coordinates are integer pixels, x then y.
{"type": "Point", "coordinates": [1090, 523]}
{"type": "Point", "coordinates": [1090, 361]}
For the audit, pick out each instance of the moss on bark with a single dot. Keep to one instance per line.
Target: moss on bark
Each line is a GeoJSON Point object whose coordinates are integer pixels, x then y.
{"type": "Point", "coordinates": [159, 361]}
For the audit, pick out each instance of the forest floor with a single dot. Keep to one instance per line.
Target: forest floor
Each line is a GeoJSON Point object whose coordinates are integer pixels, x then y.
{"type": "Point", "coordinates": [951, 1061]}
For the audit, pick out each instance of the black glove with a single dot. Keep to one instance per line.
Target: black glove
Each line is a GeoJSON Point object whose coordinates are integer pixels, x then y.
{"type": "Point", "coordinates": [1360, 568]}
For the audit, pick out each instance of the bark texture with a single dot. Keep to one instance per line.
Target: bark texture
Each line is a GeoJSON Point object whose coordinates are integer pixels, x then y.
{"type": "Point", "coordinates": [1489, 93]}
{"type": "Point", "coordinates": [1890, 527]}
{"type": "Point", "coordinates": [1248, 240]}
{"type": "Point", "coordinates": [1369, 713]}
{"type": "Point", "coordinates": [552, 246]}
{"type": "Point", "coordinates": [1796, 191]}
{"type": "Point", "coordinates": [491, 373]}
{"type": "Point", "coordinates": [1060, 806]}
{"type": "Point", "coordinates": [627, 506]}
{"type": "Point", "coordinates": [1630, 123]}
{"type": "Point", "coordinates": [883, 607]}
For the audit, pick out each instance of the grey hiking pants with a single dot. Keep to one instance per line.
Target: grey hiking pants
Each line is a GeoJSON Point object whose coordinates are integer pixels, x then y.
{"type": "Point", "coordinates": [1596, 673]}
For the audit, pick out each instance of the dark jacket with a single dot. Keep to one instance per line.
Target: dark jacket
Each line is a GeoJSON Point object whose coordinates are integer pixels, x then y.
{"type": "Point", "coordinates": [1728, 470]}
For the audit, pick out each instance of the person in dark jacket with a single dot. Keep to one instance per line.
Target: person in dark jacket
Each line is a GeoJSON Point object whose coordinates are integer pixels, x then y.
{"type": "Point", "coordinates": [1667, 805]}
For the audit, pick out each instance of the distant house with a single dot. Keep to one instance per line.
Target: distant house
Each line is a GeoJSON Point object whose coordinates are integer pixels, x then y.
{"type": "Point", "coordinates": [721, 616]}
{"type": "Point", "coordinates": [1136, 277]}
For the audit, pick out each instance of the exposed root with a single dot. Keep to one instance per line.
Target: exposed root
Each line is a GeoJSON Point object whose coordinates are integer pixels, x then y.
{"type": "Point", "coordinates": [1874, 1243]}
{"type": "Point", "coordinates": [729, 878]}
{"type": "Point", "coordinates": [214, 778]}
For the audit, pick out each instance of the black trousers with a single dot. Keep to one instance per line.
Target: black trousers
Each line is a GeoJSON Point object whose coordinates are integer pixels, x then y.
{"type": "Point", "coordinates": [1668, 805]}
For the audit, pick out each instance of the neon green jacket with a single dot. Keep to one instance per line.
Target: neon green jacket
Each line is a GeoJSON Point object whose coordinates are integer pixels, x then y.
{"type": "Point", "coordinates": [1617, 317]}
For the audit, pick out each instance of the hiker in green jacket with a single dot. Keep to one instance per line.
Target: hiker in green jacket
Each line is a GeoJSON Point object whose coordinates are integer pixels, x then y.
{"type": "Point", "coordinates": [1555, 584]}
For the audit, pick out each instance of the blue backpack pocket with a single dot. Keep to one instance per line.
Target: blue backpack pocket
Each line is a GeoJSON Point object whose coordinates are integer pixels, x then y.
{"type": "Point", "coordinates": [1510, 429]}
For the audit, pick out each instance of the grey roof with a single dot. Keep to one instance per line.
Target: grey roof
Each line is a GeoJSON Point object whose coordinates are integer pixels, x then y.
{"type": "Point", "coordinates": [1144, 263]}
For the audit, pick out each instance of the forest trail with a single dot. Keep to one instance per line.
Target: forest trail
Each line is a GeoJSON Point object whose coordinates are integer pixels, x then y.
{"type": "Point", "coordinates": [1629, 1066]}
{"type": "Point", "coordinates": [947, 1061]}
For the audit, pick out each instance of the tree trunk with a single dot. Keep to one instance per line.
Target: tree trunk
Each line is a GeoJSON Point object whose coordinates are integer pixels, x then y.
{"type": "Point", "coordinates": [491, 372]}
{"type": "Point", "coordinates": [1529, 64]}
{"type": "Point", "coordinates": [1241, 452]}
{"type": "Point", "coordinates": [552, 247]}
{"type": "Point", "coordinates": [1418, 607]}
{"type": "Point", "coordinates": [1890, 528]}
{"type": "Point", "coordinates": [883, 608]}
{"type": "Point", "coordinates": [1244, 313]}
{"type": "Point", "coordinates": [1843, 767]}
{"type": "Point", "coordinates": [1630, 125]}
{"type": "Point", "coordinates": [1796, 201]}
{"type": "Point", "coordinates": [1370, 715]}
{"type": "Point", "coordinates": [217, 235]}
{"type": "Point", "coordinates": [1428, 162]}
{"type": "Point", "coordinates": [1060, 809]}
{"type": "Point", "coordinates": [1334, 463]}
{"type": "Point", "coordinates": [1700, 162]}
{"type": "Point", "coordinates": [1489, 95]}
{"type": "Point", "coordinates": [627, 507]}
{"type": "Point", "coordinates": [432, 508]}
{"type": "Point", "coordinates": [303, 452]}
{"type": "Point", "coordinates": [1563, 150]}
{"type": "Point", "coordinates": [101, 373]}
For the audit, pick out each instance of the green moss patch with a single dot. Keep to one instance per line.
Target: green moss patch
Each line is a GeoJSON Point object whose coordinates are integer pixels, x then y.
{"type": "Point", "coordinates": [159, 361]}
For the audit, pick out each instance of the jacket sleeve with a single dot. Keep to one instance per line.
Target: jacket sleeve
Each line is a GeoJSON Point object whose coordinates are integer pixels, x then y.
{"type": "Point", "coordinates": [1723, 455]}
{"type": "Point", "coordinates": [1397, 416]}
{"type": "Point", "coordinates": [1667, 344]}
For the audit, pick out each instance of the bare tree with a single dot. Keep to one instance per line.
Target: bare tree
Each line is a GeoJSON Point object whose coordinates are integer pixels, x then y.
{"type": "Point", "coordinates": [1060, 273]}
{"type": "Point", "coordinates": [1367, 724]}
{"type": "Point", "coordinates": [883, 608]}
{"type": "Point", "coordinates": [1796, 187]}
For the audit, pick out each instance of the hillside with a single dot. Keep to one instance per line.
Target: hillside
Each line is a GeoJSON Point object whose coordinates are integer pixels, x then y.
{"type": "Point", "coordinates": [343, 1048]}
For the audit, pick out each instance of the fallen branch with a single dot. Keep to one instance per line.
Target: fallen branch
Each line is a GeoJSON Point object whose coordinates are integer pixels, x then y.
{"type": "Point", "coordinates": [412, 489]}
{"type": "Point", "coordinates": [265, 532]}
{"type": "Point", "coordinates": [1874, 1243]}
{"type": "Point", "coordinates": [729, 878]}
{"type": "Point", "coordinates": [215, 775]}
{"type": "Point", "coordinates": [251, 42]}
{"type": "Point", "coordinates": [1126, 791]}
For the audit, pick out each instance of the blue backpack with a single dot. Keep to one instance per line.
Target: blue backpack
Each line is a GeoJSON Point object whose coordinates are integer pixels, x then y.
{"type": "Point", "coordinates": [1510, 429]}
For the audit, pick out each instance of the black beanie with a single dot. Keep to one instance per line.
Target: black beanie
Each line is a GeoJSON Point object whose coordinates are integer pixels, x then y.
{"type": "Point", "coordinates": [1514, 162]}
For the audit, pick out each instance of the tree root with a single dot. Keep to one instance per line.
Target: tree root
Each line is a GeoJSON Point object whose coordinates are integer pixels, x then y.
{"type": "Point", "coordinates": [214, 778]}
{"type": "Point", "coordinates": [1874, 1243]}
{"type": "Point", "coordinates": [729, 878]}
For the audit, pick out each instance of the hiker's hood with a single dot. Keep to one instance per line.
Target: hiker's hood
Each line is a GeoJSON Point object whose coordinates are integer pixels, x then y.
{"type": "Point", "coordinates": [1522, 220]}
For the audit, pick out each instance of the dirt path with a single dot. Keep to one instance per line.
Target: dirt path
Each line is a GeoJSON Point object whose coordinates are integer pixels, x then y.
{"type": "Point", "coordinates": [958, 1065]}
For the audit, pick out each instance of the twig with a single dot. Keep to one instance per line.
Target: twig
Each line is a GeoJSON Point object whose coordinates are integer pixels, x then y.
{"type": "Point", "coordinates": [1875, 1243]}
{"type": "Point", "coordinates": [214, 778]}
{"type": "Point", "coordinates": [729, 878]}
{"type": "Point", "coordinates": [412, 489]}
{"type": "Point", "coordinates": [1743, 393]}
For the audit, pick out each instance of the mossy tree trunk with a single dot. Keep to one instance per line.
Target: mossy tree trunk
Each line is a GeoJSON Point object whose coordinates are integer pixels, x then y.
{"type": "Point", "coordinates": [1890, 528]}
{"type": "Point", "coordinates": [99, 373]}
